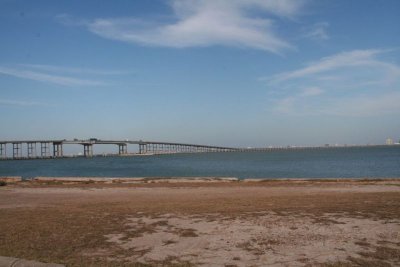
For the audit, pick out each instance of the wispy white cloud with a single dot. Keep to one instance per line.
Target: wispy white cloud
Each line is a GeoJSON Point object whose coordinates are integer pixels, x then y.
{"type": "Point", "coordinates": [318, 31]}
{"type": "Point", "coordinates": [297, 103]}
{"type": "Point", "coordinates": [9, 102]}
{"type": "Point", "coordinates": [365, 105]}
{"type": "Point", "coordinates": [49, 78]}
{"type": "Point", "coordinates": [355, 83]}
{"type": "Point", "coordinates": [74, 70]}
{"type": "Point", "coordinates": [70, 21]}
{"type": "Point", "coordinates": [285, 105]}
{"type": "Point", "coordinates": [311, 91]}
{"type": "Point", "coordinates": [341, 60]}
{"type": "Point", "coordinates": [205, 23]}
{"type": "Point", "coordinates": [347, 106]}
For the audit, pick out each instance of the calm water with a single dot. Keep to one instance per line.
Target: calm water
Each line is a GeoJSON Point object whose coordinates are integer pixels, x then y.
{"type": "Point", "coordinates": [344, 162]}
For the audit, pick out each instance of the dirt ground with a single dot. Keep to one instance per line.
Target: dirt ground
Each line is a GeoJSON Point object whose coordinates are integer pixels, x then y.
{"type": "Point", "coordinates": [272, 223]}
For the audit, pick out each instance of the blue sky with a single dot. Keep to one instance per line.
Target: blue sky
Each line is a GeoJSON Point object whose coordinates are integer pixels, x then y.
{"type": "Point", "coordinates": [223, 72]}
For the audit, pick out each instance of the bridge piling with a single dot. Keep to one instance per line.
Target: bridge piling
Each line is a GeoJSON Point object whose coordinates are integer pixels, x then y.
{"type": "Point", "coordinates": [17, 150]}
{"type": "Point", "coordinates": [3, 150]}
{"type": "Point", "coordinates": [44, 149]}
{"type": "Point", "coordinates": [122, 149]}
{"type": "Point", "coordinates": [88, 150]}
{"type": "Point", "coordinates": [140, 148]}
{"type": "Point", "coordinates": [31, 149]}
{"type": "Point", "coordinates": [57, 150]}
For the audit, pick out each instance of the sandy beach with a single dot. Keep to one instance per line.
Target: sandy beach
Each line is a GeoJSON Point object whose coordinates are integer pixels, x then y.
{"type": "Point", "coordinates": [202, 222]}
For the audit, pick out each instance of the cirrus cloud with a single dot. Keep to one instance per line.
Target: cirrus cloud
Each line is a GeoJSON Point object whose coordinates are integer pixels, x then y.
{"type": "Point", "coordinates": [355, 83]}
{"type": "Point", "coordinates": [198, 23]}
{"type": "Point", "coordinates": [49, 78]}
{"type": "Point", "coordinates": [21, 103]}
{"type": "Point", "coordinates": [341, 60]}
{"type": "Point", "coordinates": [318, 31]}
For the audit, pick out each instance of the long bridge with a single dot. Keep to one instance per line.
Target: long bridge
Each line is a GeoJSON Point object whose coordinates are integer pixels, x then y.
{"type": "Point", "coordinates": [46, 149]}
{"type": "Point", "coordinates": [33, 149]}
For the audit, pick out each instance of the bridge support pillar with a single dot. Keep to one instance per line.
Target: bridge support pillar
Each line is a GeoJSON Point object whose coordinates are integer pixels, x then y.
{"type": "Point", "coordinates": [88, 150]}
{"type": "Point", "coordinates": [17, 150]}
{"type": "Point", "coordinates": [44, 149]}
{"type": "Point", "coordinates": [57, 150]}
{"type": "Point", "coordinates": [31, 150]}
{"type": "Point", "coordinates": [3, 150]}
{"type": "Point", "coordinates": [142, 148]}
{"type": "Point", "coordinates": [122, 149]}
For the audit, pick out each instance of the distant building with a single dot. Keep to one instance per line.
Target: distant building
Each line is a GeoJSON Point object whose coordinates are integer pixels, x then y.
{"type": "Point", "coordinates": [389, 141]}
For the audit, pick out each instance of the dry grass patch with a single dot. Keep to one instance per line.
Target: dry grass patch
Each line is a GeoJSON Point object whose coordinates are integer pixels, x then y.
{"type": "Point", "coordinates": [383, 253]}
{"type": "Point", "coordinates": [368, 262]}
{"type": "Point", "coordinates": [363, 243]}
{"type": "Point", "coordinates": [188, 232]}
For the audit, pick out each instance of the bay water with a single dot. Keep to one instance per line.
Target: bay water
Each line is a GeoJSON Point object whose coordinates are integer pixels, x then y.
{"type": "Point", "coordinates": [360, 162]}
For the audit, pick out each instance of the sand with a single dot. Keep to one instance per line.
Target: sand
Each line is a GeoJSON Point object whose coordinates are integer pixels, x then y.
{"type": "Point", "coordinates": [276, 223]}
